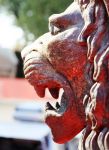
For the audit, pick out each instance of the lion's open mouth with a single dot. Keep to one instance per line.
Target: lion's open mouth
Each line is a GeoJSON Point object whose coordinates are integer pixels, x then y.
{"type": "Point", "coordinates": [67, 99]}
{"type": "Point", "coordinates": [56, 116]}
{"type": "Point", "coordinates": [58, 109]}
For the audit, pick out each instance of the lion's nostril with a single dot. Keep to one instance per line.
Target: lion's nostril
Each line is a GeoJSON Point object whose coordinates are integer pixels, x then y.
{"type": "Point", "coordinates": [41, 43]}
{"type": "Point", "coordinates": [34, 50]}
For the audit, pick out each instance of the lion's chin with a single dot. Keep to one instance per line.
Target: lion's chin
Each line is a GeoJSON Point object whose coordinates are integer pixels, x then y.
{"type": "Point", "coordinates": [64, 132]}
{"type": "Point", "coordinates": [64, 122]}
{"type": "Point", "coordinates": [65, 126]}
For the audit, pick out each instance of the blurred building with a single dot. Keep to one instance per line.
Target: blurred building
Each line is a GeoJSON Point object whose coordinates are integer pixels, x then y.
{"type": "Point", "coordinates": [8, 63]}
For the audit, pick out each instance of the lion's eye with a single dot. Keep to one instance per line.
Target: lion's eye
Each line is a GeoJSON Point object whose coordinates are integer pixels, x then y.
{"type": "Point", "coordinates": [57, 23]}
{"type": "Point", "coordinates": [54, 29]}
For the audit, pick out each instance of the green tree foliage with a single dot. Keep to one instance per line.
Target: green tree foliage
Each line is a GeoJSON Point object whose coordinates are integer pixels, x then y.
{"type": "Point", "coordinates": [32, 15]}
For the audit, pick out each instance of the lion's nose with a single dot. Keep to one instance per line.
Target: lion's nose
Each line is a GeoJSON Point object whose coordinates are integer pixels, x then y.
{"type": "Point", "coordinates": [31, 48]}
{"type": "Point", "coordinates": [24, 53]}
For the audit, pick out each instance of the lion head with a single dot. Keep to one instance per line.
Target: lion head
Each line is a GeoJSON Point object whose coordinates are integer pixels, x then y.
{"type": "Point", "coordinates": [73, 55]}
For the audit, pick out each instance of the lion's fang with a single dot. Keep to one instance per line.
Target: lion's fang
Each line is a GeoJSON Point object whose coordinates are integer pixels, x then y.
{"type": "Point", "coordinates": [57, 105]}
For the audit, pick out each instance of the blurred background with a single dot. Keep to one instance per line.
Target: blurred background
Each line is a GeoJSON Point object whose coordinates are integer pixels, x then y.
{"type": "Point", "coordinates": [21, 110]}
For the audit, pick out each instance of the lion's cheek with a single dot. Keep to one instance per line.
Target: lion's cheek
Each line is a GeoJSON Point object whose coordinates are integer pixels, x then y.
{"type": "Point", "coordinates": [67, 58]}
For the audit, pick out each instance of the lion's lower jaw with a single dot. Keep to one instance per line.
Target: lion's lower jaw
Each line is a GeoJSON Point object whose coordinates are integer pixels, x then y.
{"type": "Point", "coordinates": [65, 137]}
{"type": "Point", "coordinates": [69, 119]}
{"type": "Point", "coordinates": [64, 130]}
{"type": "Point", "coordinates": [94, 140]}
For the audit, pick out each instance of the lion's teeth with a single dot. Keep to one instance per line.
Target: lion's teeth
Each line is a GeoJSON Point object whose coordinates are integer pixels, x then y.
{"type": "Point", "coordinates": [54, 92]}
{"type": "Point", "coordinates": [40, 91]}
{"type": "Point", "coordinates": [57, 105]}
{"type": "Point", "coordinates": [49, 106]}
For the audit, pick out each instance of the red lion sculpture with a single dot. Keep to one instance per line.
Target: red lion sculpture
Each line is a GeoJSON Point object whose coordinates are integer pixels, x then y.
{"type": "Point", "coordinates": [73, 55]}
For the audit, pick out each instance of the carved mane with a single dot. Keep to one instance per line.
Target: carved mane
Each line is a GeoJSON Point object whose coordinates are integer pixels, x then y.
{"type": "Point", "coordinates": [106, 2]}
{"type": "Point", "coordinates": [96, 102]}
